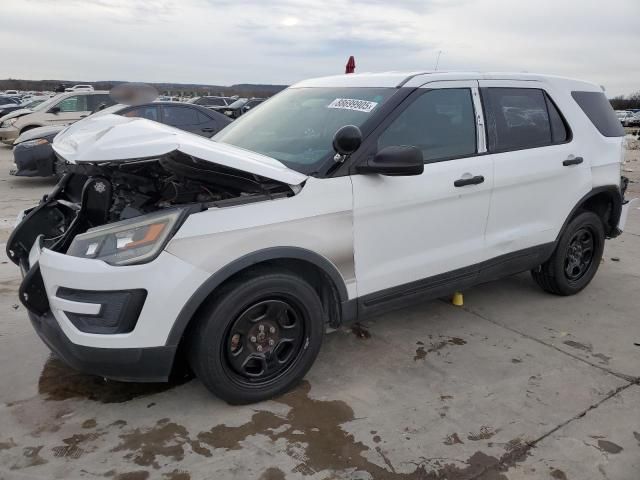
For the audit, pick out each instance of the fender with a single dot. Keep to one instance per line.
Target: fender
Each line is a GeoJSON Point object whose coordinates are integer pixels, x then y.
{"type": "Point", "coordinates": [617, 200]}
{"type": "Point", "coordinates": [273, 253]}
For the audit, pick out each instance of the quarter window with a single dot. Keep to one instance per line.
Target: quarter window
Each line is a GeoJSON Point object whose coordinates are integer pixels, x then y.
{"type": "Point", "coordinates": [441, 123]}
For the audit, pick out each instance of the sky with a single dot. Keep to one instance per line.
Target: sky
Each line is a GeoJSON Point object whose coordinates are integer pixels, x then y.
{"type": "Point", "coordinates": [224, 42]}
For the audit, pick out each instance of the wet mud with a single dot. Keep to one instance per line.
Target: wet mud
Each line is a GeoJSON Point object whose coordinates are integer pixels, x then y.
{"type": "Point", "coordinates": [60, 382]}
{"type": "Point", "coordinates": [435, 347]}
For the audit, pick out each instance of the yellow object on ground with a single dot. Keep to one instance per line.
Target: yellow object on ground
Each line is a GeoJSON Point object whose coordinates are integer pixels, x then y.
{"type": "Point", "coordinates": [458, 299]}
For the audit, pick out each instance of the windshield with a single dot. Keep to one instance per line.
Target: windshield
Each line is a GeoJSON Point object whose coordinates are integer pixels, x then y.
{"type": "Point", "coordinates": [297, 125]}
{"type": "Point", "coordinates": [32, 104]}
{"type": "Point", "coordinates": [46, 104]}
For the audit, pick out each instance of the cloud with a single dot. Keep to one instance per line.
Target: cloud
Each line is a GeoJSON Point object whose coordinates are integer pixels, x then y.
{"type": "Point", "coordinates": [282, 41]}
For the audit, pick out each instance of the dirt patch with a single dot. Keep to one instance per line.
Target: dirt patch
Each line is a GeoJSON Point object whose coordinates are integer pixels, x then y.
{"type": "Point", "coordinates": [558, 474]}
{"type": "Point", "coordinates": [360, 331]}
{"type": "Point", "coordinates": [166, 439]}
{"type": "Point", "coordinates": [76, 445]}
{"type": "Point", "coordinates": [178, 475]}
{"type": "Point", "coordinates": [609, 447]}
{"type": "Point", "coordinates": [91, 423]}
{"type": "Point", "coordinates": [60, 382]}
{"type": "Point", "coordinates": [452, 439]}
{"type": "Point", "coordinates": [485, 433]}
{"type": "Point", "coordinates": [30, 458]}
{"type": "Point", "coordinates": [589, 349]}
{"type": "Point", "coordinates": [435, 347]}
{"type": "Point", "coordinates": [272, 473]}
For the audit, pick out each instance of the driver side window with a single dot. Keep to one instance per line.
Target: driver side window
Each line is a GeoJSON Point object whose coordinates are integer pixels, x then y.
{"type": "Point", "coordinates": [441, 123]}
{"type": "Point", "coordinates": [77, 103]}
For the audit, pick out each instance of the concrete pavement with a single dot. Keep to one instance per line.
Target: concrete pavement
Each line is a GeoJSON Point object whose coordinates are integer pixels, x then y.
{"type": "Point", "coordinates": [516, 384]}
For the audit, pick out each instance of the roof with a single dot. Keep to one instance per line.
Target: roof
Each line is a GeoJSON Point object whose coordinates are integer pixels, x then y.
{"type": "Point", "coordinates": [418, 78]}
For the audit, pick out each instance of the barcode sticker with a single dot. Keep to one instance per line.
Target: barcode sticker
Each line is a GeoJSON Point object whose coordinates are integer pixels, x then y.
{"type": "Point", "coordinates": [353, 104]}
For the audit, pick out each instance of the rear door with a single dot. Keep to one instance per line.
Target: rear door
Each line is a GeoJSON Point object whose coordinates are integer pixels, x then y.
{"type": "Point", "coordinates": [410, 229]}
{"type": "Point", "coordinates": [540, 172]}
{"type": "Point", "coordinates": [182, 117]}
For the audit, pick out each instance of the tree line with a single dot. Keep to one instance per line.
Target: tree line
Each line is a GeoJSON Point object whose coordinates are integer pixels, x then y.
{"type": "Point", "coordinates": [623, 102]}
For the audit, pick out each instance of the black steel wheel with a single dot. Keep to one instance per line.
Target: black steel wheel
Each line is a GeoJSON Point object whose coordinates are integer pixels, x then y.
{"type": "Point", "coordinates": [264, 341]}
{"type": "Point", "coordinates": [576, 257]}
{"type": "Point", "coordinates": [257, 336]}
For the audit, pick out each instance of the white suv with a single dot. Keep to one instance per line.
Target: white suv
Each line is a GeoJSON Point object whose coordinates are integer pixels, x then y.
{"type": "Point", "coordinates": [338, 198]}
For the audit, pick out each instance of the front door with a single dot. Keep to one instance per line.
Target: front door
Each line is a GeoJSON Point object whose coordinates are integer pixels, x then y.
{"type": "Point", "coordinates": [71, 109]}
{"type": "Point", "coordinates": [408, 230]}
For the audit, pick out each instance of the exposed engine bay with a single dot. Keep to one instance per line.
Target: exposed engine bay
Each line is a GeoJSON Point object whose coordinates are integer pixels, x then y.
{"type": "Point", "coordinates": [94, 194]}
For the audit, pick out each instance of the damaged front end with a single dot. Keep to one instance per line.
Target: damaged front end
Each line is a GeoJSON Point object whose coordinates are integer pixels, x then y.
{"type": "Point", "coordinates": [124, 211]}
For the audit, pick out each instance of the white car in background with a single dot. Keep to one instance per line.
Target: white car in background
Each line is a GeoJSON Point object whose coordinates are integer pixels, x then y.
{"type": "Point", "coordinates": [79, 88]}
{"type": "Point", "coordinates": [336, 199]}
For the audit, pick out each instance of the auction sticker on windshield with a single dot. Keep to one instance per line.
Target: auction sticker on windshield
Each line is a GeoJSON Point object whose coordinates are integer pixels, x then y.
{"type": "Point", "coordinates": [353, 104]}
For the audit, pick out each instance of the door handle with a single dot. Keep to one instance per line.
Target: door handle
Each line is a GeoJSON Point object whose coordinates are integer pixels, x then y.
{"type": "Point", "coordinates": [208, 129]}
{"type": "Point", "coordinates": [572, 161]}
{"type": "Point", "coordinates": [84, 116]}
{"type": "Point", "coordinates": [461, 182]}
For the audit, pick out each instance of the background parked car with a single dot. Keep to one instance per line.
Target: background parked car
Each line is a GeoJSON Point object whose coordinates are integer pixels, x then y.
{"type": "Point", "coordinates": [34, 157]}
{"type": "Point", "coordinates": [28, 103]}
{"type": "Point", "coordinates": [632, 121]}
{"type": "Point", "coordinates": [241, 106]}
{"type": "Point", "coordinates": [63, 109]}
{"type": "Point", "coordinates": [79, 88]}
{"type": "Point", "coordinates": [8, 104]}
{"type": "Point", "coordinates": [213, 102]}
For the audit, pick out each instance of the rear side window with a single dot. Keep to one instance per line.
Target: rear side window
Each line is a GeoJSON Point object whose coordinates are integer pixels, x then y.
{"type": "Point", "coordinates": [179, 116]}
{"type": "Point", "coordinates": [517, 118]}
{"type": "Point", "coordinates": [596, 106]}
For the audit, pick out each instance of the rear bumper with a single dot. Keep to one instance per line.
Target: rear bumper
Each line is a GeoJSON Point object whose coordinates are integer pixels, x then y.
{"type": "Point", "coordinates": [152, 364]}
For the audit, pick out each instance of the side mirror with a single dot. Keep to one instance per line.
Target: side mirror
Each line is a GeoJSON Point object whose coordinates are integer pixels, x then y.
{"type": "Point", "coordinates": [395, 161]}
{"type": "Point", "coordinates": [347, 140]}
{"type": "Point", "coordinates": [55, 110]}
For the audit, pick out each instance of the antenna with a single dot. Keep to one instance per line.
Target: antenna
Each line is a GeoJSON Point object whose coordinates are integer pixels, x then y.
{"type": "Point", "coordinates": [438, 60]}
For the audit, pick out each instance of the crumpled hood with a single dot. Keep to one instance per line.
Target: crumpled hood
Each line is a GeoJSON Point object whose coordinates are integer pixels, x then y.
{"type": "Point", "coordinates": [113, 138]}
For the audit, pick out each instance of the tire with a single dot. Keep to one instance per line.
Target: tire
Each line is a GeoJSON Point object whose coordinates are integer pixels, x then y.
{"type": "Point", "coordinates": [230, 348]}
{"type": "Point", "coordinates": [576, 258]}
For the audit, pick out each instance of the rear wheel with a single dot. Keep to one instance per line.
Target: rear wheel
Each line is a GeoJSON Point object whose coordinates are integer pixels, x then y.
{"type": "Point", "coordinates": [576, 258]}
{"type": "Point", "coordinates": [258, 338]}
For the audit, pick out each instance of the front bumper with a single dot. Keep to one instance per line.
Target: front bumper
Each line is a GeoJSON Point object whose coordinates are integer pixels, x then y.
{"type": "Point", "coordinates": [8, 135]}
{"type": "Point", "coordinates": [141, 354]}
{"type": "Point", "coordinates": [152, 364]}
{"type": "Point", "coordinates": [33, 161]}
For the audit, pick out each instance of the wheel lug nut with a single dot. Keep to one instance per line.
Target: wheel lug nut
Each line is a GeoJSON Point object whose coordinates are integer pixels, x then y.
{"type": "Point", "coordinates": [259, 348]}
{"type": "Point", "coordinates": [261, 328]}
{"type": "Point", "coordinates": [253, 339]}
{"type": "Point", "coordinates": [271, 342]}
{"type": "Point", "coordinates": [272, 330]}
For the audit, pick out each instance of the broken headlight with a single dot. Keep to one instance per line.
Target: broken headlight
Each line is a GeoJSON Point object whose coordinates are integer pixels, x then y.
{"type": "Point", "coordinates": [137, 240]}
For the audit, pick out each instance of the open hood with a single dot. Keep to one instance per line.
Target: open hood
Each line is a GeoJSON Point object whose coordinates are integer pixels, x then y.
{"type": "Point", "coordinates": [113, 138]}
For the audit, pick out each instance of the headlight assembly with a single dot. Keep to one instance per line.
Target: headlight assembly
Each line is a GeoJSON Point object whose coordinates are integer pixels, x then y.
{"type": "Point", "coordinates": [8, 123]}
{"type": "Point", "coordinates": [137, 240]}
{"type": "Point", "coordinates": [34, 143]}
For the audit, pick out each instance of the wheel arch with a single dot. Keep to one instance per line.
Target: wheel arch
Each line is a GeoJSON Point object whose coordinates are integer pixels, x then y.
{"type": "Point", "coordinates": [322, 274]}
{"type": "Point", "coordinates": [606, 202]}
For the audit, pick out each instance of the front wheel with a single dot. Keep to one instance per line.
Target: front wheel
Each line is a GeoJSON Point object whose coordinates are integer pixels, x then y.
{"type": "Point", "coordinates": [576, 258]}
{"type": "Point", "coordinates": [258, 338]}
